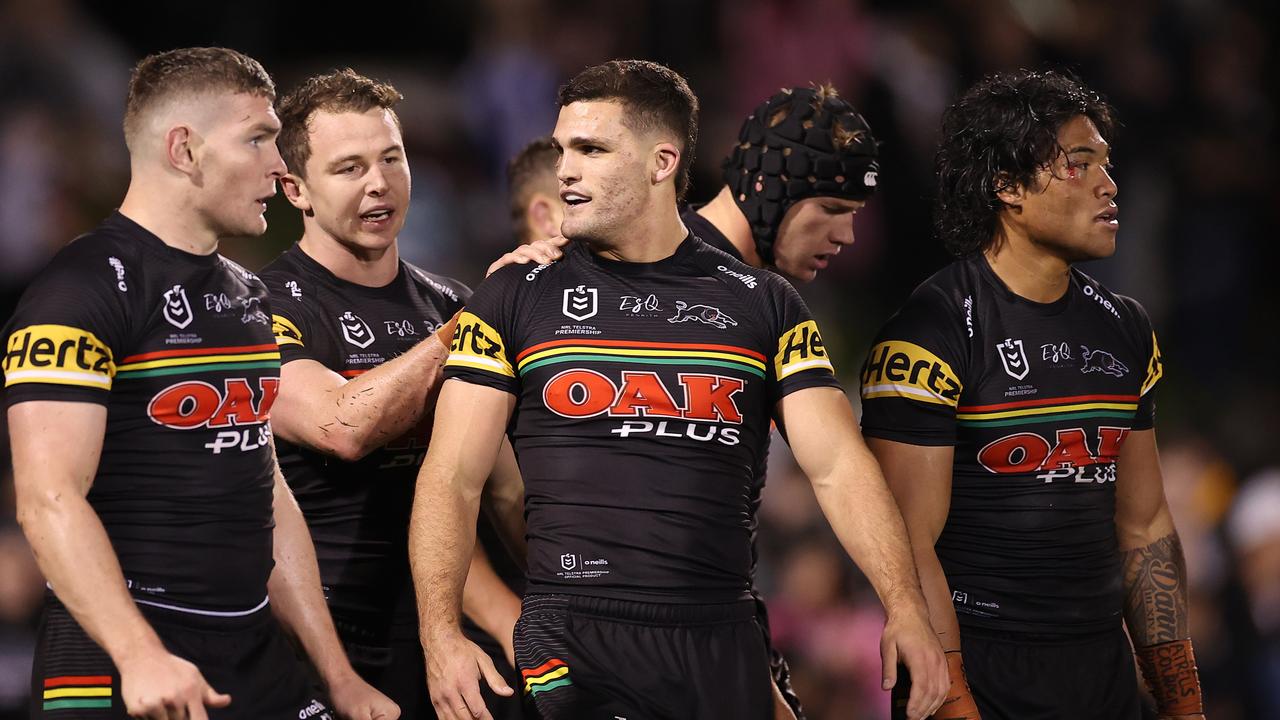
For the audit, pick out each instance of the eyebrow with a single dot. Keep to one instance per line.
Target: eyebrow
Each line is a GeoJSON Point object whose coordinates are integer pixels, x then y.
{"type": "Point", "coordinates": [268, 128]}
{"type": "Point", "coordinates": [1086, 149]}
{"type": "Point", "coordinates": [355, 157]}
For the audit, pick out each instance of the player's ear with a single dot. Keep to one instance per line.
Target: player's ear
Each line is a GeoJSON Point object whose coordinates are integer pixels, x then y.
{"type": "Point", "coordinates": [295, 189]}
{"type": "Point", "coordinates": [181, 144]}
{"type": "Point", "coordinates": [1009, 191]}
{"type": "Point", "coordinates": [543, 216]}
{"type": "Point", "coordinates": [666, 160]}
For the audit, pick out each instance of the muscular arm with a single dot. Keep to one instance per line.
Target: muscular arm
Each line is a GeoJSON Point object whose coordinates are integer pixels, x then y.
{"type": "Point", "coordinates": [470, 421]}
{"type": "Point", "coordinates": [297, 601]}
{"type": "Point", "coordinates": [919, 477]}
{"type": "Point", "coordinates": [852, 493]}
{"type": "Point", "coordinates": [1155, 578]}
{"type": "Point", "coordinates": [503, 501]}
{"type": "Point", "coordinates": [52, 479]}
{"type": "Point", "coordinates": [348, 419]}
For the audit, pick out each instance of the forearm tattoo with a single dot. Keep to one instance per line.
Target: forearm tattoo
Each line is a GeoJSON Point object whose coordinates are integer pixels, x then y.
{"type": "Point", "coordinates": [1155, 585]}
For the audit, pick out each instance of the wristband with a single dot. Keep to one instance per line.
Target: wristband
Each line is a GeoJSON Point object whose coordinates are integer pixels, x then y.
{"type": "Point", "coordinates": [1171, 674]}
{"type": "Point", "coordinates": [959, 703]}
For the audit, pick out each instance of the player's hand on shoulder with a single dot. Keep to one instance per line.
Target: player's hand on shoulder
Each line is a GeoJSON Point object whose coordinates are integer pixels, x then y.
{"type": "Point", "coordinates": [355, 699]}
{"type": "Point", "coordinates": [455, 668]}
{"type": "Point", "coordinates": [542, 252]}
{"type": "Point", "coordinates": [909, 639]}
{"type": "Point", "coordinates": [159, 686]}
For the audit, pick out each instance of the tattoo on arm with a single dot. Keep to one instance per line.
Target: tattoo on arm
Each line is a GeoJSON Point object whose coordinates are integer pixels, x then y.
{"type": "Point", "coordinates": [1155, 585]}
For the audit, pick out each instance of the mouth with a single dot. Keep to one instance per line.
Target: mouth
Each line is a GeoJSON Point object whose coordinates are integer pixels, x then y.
{"type": "Point", "coordinates": [573, 199]}
{"type": "Point", "coordinates": [1110, 216]}
{"type": "Point", "coordinates": [377, 217]}
{"type": "Point", "coordinates": [262, 201]}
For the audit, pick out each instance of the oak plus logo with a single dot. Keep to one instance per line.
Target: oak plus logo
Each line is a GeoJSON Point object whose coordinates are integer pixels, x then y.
{"type": "Point", "coordinates": [705, 314]}
{"type": "Point", "coordinates": [1014, 358]}
{"type": "Point", "coordinates": [235, 410]}
{"type": "Point", "coordinates": [580, 303]}
{"type": "Point", "coordinates": [177, 310]}
{"type": "Point", "coordinates": [1069, 456]}
{"type": "Point", "coordinates": [355, 330]}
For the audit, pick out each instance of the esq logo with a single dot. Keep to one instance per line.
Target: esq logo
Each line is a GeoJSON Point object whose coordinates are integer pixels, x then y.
{"type": "Point", "coordinates": [582, 393]}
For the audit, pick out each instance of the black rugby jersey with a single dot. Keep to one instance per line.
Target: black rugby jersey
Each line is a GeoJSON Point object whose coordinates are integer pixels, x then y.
{"type": "Point", "coordinates": [358, 512]}
{"type": "Point", "coordinates": [178, 347]}
{"type": "Point", "coordinates": [705, 231]}
{"type": "Point", "coordinates": [644, 394]}
{"type": "Point", "coordinates": [1037, 400]}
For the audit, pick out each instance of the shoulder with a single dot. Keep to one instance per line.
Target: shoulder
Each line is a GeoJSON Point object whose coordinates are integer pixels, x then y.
{"type": "Point", "coordinates": [97, 261]}
{"type": "Point", "coordinates": [941, 305]}
{"type": "Point", "coordinates": [240, 272]}
{"type": "Point", "coordinates": [1121, 308]}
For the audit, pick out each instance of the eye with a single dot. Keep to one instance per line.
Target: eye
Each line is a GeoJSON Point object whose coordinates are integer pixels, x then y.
{"type": "Point", "coordinates": [391, 159]}
{"type": "Point", "coordinates": [346, 169]}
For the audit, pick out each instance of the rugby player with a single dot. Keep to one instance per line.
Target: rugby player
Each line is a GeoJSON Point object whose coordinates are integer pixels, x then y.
{"type": "Point", "coordinates": [363, 337]}
{"type": "Point", "coordinates": [140, 373]}
{"type": "Point", "coordinates": [1010, 403]}
{"type": "Point", "coordinates": [642, 371]}
{"type": "Point", "coordinates": [805, 163]}
{"type": "Point", "coordinates": [533, 191]}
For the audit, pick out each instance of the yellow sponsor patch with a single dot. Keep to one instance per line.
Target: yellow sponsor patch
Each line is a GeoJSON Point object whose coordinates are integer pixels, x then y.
{"type": "Point", "coordinates": [1155, 366]}
{"type": "Point", "coordinates": [902, 369]}
{"type": "Point", "coordinates": [285, 331]}
{"type": "Point", "coordinates": [801, 348]}
{"type": "Point", "coordinates": [58, 355]}
{"type": "Point", "coordinates": [477, 345]}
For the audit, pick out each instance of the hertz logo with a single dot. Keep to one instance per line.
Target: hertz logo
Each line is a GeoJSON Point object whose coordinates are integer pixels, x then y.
{"type": "Point", "coordinates": [477, 345]}
{"type": "Point", "coordinates": [902, 369]}
{"type": "Point", "coordinates": [58, 355]}
{"type": "Point", "coordinates": [801, 348]}
{"type": "Point", "coordinates": [286, 333]}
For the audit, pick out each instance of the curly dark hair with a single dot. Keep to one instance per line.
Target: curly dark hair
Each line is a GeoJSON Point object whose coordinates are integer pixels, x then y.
{"type": "Point", "coordinates": [337, 91]}
{"type": "Point", "coordinates": [998, 135]}
{"type": "Point", "coordinates": [654, 95]}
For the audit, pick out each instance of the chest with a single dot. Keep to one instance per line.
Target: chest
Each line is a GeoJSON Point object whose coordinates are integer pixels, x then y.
{"type": "Point", "coordinates": [355, 333]}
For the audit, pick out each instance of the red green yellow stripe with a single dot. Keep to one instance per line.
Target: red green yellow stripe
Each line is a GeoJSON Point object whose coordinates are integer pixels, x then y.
{"type": "Point", "coordinates": [1048, 410]}
{"type": "Point", "coordinates": [77, 691]}
{"type": "Point", "coordinates": [645, 353]}
{"type": "Point", "coordinates": [194, 360]}
{"type": "Point", "coordinates": [548, 676]}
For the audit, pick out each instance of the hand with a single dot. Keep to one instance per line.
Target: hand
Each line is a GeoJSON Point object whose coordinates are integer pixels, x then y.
{"type": "Point", "coordinates": [355, 699]}
{"type": "Point", "coordinates": [162, 686]}
{"type": "Point", "coordinates": [543, 252]}
{"type": "Point", "coordinates": [455, 666]}
{"type": "Point", "coordinates": [909, 639]}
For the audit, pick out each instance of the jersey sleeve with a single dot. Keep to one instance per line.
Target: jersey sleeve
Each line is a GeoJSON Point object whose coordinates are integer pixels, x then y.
{"type": "Point", "coordinates": [71, 328]}
{"type": "Point", "coordinates": [481, 353]}
{"type": "Point", "coordinates": [911, 380]}
{"type": "Point", "coordinates": [1145, 417]}
{"type": "Point", "coordinates": [292, 321]}
{"type": "Point", "coordinates": [799, 357]}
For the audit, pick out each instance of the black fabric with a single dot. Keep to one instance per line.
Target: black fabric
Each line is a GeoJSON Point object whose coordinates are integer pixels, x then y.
{"type": "Point", "coordinates": [248, 658]}
{"type": "Point", "coordinates": [1037, 399]}
{"type": "Point", "coordinates": [708, 233]}
{"type": "Point", "coordinates": [178, 347]}
{"type": "Point", "coordinates": [644, 397]}
{"type": "Point", "coordinates": [501, 708]}
{"type": "Point", "coordinates": [589, 657]}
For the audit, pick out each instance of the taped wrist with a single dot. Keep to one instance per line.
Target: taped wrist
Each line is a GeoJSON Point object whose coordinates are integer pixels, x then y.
{"type": "Point", "coordinates": [1171, 674]}
{"type": "Point", "coordinates": [959, 703]}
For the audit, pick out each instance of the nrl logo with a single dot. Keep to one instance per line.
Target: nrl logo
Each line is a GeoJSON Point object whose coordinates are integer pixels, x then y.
{"type": "Point", "coordinates": [176, 308]}
{"type": "Point", "coordinates": [701, 313]}
{"type": "Point", "coordinates": [568, 561]}
{"type": "Point", "coordinates": [355, 330]}
{"type": "Point", "coordinates": [580, 303]}
{"type": "Point", "coordinates": [1014, 358]}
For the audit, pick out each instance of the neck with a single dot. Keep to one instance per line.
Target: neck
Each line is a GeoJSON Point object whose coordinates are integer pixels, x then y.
{"type": "Point", "coordinates": [1027, 268]}
{"type": "Point", "coordinates": [173, 219]}
{"type": "Point", "coordinates": [654, 236]}
{"type": "Point", "coordinates": [723, 212]}
{"type": "Point", "coordinates": [371, 268]}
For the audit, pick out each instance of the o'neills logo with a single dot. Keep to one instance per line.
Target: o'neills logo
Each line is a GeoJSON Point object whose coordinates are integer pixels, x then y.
{"type": "Point", "coordinates": [58, 355]}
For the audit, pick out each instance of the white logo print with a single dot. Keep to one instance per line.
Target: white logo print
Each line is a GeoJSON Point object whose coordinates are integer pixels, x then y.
{"type": "Point", "coordinates": [580, 303]}
{"type": "Point", "coordinates": [216, 303]}
{"type": "Point", "coordinates": [400, 327]}
{"type": "Point", "coordinates": [635, 304]}
{"type": "Point", "coordinates": [1014, 358]}
{"type": "Point", "coordinates": [119, 268]}
{"type": "Point", "coordinates": [176, 308]}
{"type": "Point", "coordinates": [701, 313]}
{"type": "Point", "coordinates": [1103, 362]}
{"type": "Point", "coordinates": [869, 179]}
{"type": "Point", "coordinates": [294, 290]}
{"type": "Point", "coordinates": [568, 561]}
{"type": "Point", "coordinates": [355, 330]}
{"type": "Point", "coordinates": [253, 311]}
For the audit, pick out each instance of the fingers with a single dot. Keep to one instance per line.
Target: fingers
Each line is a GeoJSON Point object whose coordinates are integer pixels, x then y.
{"type": "Point", "coordinates": [493, 677]}
{"type": "Point", "coordinates": [196, 711]}
{"type": "Point", "coordinates": [888, 664]}
{"type": "Point", "coordinates": [214, 699]}
{"type": "Point", "coordinates": [475, 701]}
{"type": "Point", "coordinates": [929, 683]}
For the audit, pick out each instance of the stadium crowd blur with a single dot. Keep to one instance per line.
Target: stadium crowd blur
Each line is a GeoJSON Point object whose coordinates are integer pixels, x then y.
{"type": "Point", "coordinates": [1195, 162]}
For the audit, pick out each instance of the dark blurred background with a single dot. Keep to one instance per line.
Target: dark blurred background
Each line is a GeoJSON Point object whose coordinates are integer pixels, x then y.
{"type": "Point", "coordinates": [1195, 161]}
